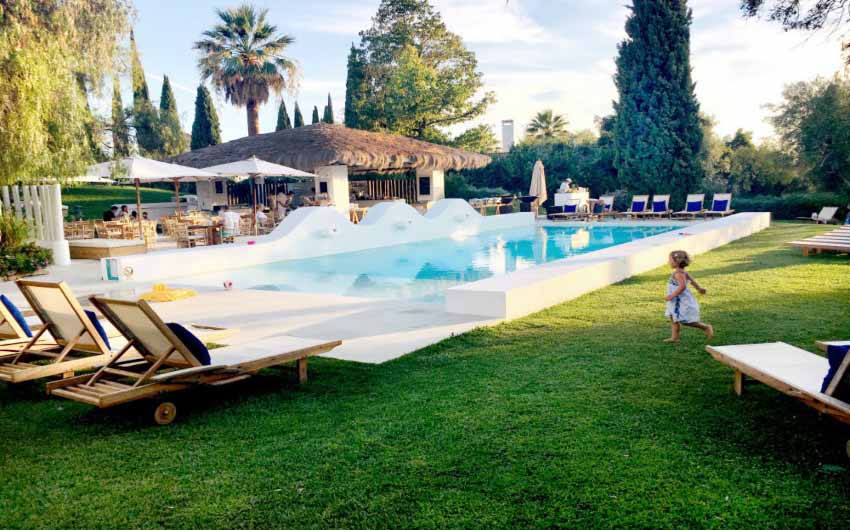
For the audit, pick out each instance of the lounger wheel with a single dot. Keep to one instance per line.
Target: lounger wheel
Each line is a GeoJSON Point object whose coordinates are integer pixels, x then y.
{"type": "Point", "coordinates": [165, 413]}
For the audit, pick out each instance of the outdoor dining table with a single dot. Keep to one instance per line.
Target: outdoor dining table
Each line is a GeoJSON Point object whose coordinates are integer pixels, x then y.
{"type": "Point", "coordinates": [212, 232]}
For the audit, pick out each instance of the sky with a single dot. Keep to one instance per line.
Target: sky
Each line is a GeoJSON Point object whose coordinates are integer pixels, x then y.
{"type": "Point", "coordinates": [534, 54]}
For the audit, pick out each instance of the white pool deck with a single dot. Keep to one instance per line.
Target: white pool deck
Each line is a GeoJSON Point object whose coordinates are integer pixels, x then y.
{"type": "Point", "coordinates": [376, 331]}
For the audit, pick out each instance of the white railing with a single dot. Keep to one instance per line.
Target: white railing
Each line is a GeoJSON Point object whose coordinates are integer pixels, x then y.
{"type": "Point", "coordinates": [41, 206]}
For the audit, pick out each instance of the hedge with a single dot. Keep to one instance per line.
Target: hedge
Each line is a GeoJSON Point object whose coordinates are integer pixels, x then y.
{"type": "Point", "coordinates": [792, 205]}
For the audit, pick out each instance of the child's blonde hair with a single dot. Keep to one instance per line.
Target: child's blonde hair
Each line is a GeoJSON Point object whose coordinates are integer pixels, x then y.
{"type": "Point", "coordinates": [680, 258]}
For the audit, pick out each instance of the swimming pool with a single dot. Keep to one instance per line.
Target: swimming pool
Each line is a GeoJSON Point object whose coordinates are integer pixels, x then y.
{"type": "Point", "coordinates": [424, 270]}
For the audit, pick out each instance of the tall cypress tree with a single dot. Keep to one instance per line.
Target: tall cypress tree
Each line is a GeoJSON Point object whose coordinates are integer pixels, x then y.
{"type": "Point", "coordinates": [283, 118]}
{"type": "Point", "coordinates": [120, 133]}
{"type": "Point", "coordinates": [298, 119]}
{"type": "Point", "coordinates": [206, 130]}
{"type": "Point", "coordinates": [173, 139]}
{"type": "Point", "coordinates": [145, 119]}
{"type": "Point", "coordinates": [658, 135]}
{"type": "Point", "coordinates": [315, 115]}
{"type": "Point", "coordinates": [356, 89]}
{"type": "Point", "coordinates": [329, 111]}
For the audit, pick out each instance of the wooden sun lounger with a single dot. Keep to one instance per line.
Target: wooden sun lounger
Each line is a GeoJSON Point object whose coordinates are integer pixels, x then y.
{"type": "Point", "coordinates": [74, 343]}
{"type": "Point", "coordinates": [693, 198]}
{"type": "Point", "coordinates": [795, 372]}
{"type": "Point", "coordinates": [632, 212]}
{"type": "Point", "coordinates": [836, 241]}
{"type": "Point", "coordinates": [651, 212]}
{"type": "Point", "coordinates": [167, 364]}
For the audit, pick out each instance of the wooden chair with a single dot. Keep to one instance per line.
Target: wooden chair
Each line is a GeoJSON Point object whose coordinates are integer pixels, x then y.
{"type": "Point", "coordinates": [172, 361]}
{"type": "Point", "coordinates": [826, 215]}
{"type": "Point", "coordinates": [795, 372]}
{"type": "Point", "coordinates": [15, 331]}
{"type": "Point", "coordinates": [78, 341]}
{"type": "Point", "coordinates": [187, 238]}
{"type": "Point", "coordinates": [721, 205]}
{"type": "Point", "coordinates": [693, 207]}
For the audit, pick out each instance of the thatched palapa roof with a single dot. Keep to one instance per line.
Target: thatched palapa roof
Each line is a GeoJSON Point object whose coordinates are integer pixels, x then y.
{"type": "Point", "coordinates": [307, 148]}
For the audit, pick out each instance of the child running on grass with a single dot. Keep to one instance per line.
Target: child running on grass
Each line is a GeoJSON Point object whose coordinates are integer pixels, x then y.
{"type": "Point", "coordinates": [682, 305]}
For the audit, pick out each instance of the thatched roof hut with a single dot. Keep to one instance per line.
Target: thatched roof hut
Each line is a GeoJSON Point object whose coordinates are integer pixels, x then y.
{"type": "Point", "coordinates": [314, 146]}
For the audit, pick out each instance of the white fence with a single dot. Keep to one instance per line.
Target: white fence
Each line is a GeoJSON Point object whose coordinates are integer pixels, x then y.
{"type": "Point", "coordinates": [41, 206]}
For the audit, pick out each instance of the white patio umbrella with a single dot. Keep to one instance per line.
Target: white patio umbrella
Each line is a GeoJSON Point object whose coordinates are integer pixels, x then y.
{"type": "Point", "coordinates": [146, 170]}
{"type": "Point", "coordinates": [252, 168]}
{"type": "Point", "coordinates": [538, 184]}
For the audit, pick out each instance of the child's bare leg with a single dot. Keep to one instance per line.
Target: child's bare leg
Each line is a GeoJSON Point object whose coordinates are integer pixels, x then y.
{"type": "Point", "coordinates": [707, 328]}
{"type": "Point", "coordinates": [675, 331]}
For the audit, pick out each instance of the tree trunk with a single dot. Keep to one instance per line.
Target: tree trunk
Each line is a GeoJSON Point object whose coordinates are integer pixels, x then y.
{"type": "Point", "coordinates": [253, 118]}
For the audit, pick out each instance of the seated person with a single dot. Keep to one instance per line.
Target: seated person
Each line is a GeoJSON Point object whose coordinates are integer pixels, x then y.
{"type": "Point", "coordinates": [111, 214]}
{"type": "Point", "coordinates": [230, 222]}
{"type": "Point", "coordinates": [260, 216]}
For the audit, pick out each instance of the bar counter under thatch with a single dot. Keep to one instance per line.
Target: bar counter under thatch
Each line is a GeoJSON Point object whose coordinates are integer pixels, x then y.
{"type": "Point", "coordinates": [313, 146]}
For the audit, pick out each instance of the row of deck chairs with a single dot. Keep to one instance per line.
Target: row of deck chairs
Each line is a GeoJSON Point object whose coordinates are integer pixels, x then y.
{"type": "Point", "coordinates": [642, 207]}
{"type": "Point", "coordinates": [822, 383]}
{"type": "Point", "coordinates": [835, 241]}
{"type": "Point", "coordinates": [143, 358]}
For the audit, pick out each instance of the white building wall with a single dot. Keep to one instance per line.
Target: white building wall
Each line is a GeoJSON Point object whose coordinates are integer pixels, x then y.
{"type": "Point", "coordinates": [438, 185]}
{"type": "Point", "coordinates": [336, 178]}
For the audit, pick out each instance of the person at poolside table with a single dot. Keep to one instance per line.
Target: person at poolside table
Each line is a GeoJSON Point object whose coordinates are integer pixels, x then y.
{"type": "Point", "coordinates": [125, 212]}
{"type": "Point", "coordinates": [111, 214]}
{"type": "Point", "coordinates": [260, 216]}
{"type": "Point", "coordinates": [230, 222]}
{"type": "Point", "coordinates": [281, 205]}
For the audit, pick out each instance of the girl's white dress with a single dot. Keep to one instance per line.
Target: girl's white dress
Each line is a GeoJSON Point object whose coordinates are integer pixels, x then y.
{"type": "Point", "coordinates": [684, 308]}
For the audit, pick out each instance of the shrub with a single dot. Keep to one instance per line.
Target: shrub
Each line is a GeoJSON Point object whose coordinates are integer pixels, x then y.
{"type": "Point", "coordinates": [13, 231]}
{"type": "Point", "coordinates": [23, 259]}
{"type": "Point", "coordinates": [792, 205]}
{"type": "Point", "coordinates": [458, 188]}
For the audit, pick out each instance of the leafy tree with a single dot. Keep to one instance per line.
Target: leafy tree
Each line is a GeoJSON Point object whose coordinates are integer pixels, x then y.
{"type": "Point", "coordinates": [120, 130]}
{"type": "Point", "coordinates": [741, 139]}
{"type": "Point", "coordinates": [315, 115]}
{"type": "Point", "coordinates": [145, 117]}
{"type": "Point", "coordinates": [173, 139]}
{"type": "Point", "coordinates": [328, 116]}
{"type": "Point", "coordinates": [52, 54]}
{"type": "Point", "coordinates": [658, 135]}
{"type": "Point", "coordinates": [356, 90]}
{"type": "Point", "coordinates": [206, 130]}
{"type": "Point", "coordinates": [546, 126]}
{"type": "Point", "coordinates": [411, 75]}
{"type": "Point", "coordinates": [479, 139]}
{"type": "Point", "coordinates": [283, 121]}
{"type": "Point", "coordinates": [761, 170]}
{"type": "Point", "coordinates": [298, 120]}
{"type": "Point", "coordinates": [797, 14]}
{"type": "Point", "coordinates": [812, 123]}
{"type": "Point", "coordinates": [244, 57]}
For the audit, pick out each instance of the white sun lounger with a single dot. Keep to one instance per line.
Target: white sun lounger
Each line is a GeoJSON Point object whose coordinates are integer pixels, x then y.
{"type": "Point", "coordinates": [795, 372]}
{"type": "Point", "coordinates": [652, 211]}
{"type": "Point", "coordinates": [716, 205]}
{"type": "Point", "coordinates": [694, 206]}
{"type": "Point", "coordinates": [640, 205]}
{"type": "Point", "coordinates": [168, 363]}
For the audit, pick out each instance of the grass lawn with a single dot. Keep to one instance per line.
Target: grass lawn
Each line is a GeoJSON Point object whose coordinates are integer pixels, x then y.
{"type": "Point", "coordinates": [94, 200]}
{"type": "Point", "coordinates": [577, 416]}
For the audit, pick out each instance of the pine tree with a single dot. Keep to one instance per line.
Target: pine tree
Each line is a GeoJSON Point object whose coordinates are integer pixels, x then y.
{"type": "Point", "coordinates": [329, 111]}
{"type": "Point", "coordinates": [206, 130]}
{"type": "Point", "coordinates": [283, 118]}
{"type": "Point", "coordinates": [658, 134]}
{"type": "Point", "coordinates": [315, 115]}
{"type": "Point", "coordinates": [356, 90]}
{"type": "Point", "coordinates": [298, 119]}
{"type": "Point", "coordinates": [145, 119]}
{"type": "Point", "coordinates": [120, 133]}
{"type": "Point", "coordinates": [173, 139]}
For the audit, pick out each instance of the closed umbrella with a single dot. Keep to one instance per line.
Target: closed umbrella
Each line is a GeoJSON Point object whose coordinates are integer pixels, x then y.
{"type": "Point", "coordinates": [538, 184]}
{"type": "Point", "coordinates": [252, 168]}
{"type": "Point", "coordinates": [146, 170]}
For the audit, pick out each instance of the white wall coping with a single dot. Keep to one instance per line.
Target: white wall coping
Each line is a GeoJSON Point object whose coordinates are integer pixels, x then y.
{"type": "Point", "coordinates": [524, 292]}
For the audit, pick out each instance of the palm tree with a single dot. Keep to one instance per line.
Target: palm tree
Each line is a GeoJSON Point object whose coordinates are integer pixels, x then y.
{"type": "Point", "coordinates": [243, 56]}
{"type": "Point", "coordinates": [547, 126]}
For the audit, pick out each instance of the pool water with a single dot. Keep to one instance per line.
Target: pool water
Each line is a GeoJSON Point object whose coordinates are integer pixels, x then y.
{"type": "Point", "coordinates": [424, 270]}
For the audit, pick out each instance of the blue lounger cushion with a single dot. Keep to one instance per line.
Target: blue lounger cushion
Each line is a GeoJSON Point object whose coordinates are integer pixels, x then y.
{"type": "Point", "coordinates": [16, 314]}
{"type": "Point", "coordinates": [719, 206]}
{"type": "Point", "coordinates": [694, 206]}
{"type": "Point", "coordinates": [638, 206]}
{"type": "Point", "coordinates": [835, 355]}
{"type": "Point", "coordinates": [98, 327]}
{"type": "Point", "coordinates": [570, 208]}
{"type": "Point", "coordinates": [659, 206]}
{"type": "Point", "coordinates": [192, 343]}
